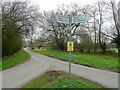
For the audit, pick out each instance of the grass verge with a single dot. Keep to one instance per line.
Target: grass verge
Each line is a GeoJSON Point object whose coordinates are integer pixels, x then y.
{"type": "Point", "coordinates": [17, 58]}
{"type": "Point", "coordinates": [59, 79]}
{"type": "Point", "coordinates": [97, 61]}
{"type": "Point", "coordinates": [0, 65]}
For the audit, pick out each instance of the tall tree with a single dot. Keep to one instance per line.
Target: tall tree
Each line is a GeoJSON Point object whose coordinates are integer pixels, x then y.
{"type": "Point", "coordinates": [17, 18]}
{"type": "Point", "coordinates": [57, 32]}
{"type": "Point", "coordinates": [116, 17]}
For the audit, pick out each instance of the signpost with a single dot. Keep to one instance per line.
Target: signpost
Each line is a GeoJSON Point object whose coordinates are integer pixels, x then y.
{"type": "Point", "coordinates": [70, 45]}
{"type": "Point", "coordinates": [62, 19]}
{"type": "Point", "coordinates": [77, 19]}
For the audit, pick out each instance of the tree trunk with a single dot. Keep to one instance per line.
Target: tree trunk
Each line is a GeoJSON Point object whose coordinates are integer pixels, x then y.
{"type": "Point", "coordinates": [119, 29]}
{"type": "Point", "coordinates": [102, 46]}
{"type": "Point", "coordinates": [119, 51]}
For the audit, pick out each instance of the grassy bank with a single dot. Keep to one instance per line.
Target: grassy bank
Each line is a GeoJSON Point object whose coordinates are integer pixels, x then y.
{"type": "Point", "coordinates": [98, 61]}
{"type": "Point", "coordinates": [59, 79]}
{"type": "Point", "coordinates": [15, 59]}
{"type": "Point", "coordinates": [0, 65]}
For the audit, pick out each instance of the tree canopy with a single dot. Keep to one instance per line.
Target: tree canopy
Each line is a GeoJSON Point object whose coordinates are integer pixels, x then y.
{"type": "Point", "coordinates": [17, 19]}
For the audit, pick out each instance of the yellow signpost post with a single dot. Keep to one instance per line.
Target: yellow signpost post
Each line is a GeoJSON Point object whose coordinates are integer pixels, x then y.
{"type": "Point", "coordinates": [70, 46]}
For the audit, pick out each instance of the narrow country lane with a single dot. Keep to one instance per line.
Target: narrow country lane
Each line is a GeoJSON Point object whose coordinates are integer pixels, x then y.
{"type": "Point", "coordinates": [38, 64]}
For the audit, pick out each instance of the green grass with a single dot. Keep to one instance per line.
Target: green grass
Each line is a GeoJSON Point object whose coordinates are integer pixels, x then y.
{"type": "Point", "coordinates": [59, 79]}
{"type": "Point", "coordinates": [98, 61]}
{"type": "Point", "coordinates": [17, 58]}
{"type": "Point", "coordinates": [0, 65]}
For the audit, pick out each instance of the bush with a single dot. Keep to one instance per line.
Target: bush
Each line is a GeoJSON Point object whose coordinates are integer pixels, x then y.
{"type": "Point", "coordinates": [11, 45]}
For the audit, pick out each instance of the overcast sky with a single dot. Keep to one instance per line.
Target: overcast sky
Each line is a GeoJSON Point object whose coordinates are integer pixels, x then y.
{"type": "Point", "coordinates": [52, 4]}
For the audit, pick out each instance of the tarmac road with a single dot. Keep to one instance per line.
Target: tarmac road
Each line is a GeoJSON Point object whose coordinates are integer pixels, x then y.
{"type": "Point", "coordinates": [38, 64]}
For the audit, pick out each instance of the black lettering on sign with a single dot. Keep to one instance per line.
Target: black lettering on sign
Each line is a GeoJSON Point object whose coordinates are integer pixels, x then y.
{"type": "Point", "coordinates": [70, 44]}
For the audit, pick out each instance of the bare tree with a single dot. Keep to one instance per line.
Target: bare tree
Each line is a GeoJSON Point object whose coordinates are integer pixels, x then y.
{"type": "Point", "coordinates": [97, 12]}
{"type": "Point", "coordinates": [117, 24]}
{"type": "Point", "coordinates": [17, 19]}
{"type": "Point", "coordinates": [57, 32]}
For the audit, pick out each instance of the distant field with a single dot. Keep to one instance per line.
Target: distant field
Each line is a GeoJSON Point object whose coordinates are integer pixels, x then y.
{"type": "Point", "coordinates": [113, 49]}
{"type": "Point", "coordinates": [14, 60]}
{"type": "Point", "coordinates": [59, 79]}
{"type": "Point", "coordinates": [98, 61]}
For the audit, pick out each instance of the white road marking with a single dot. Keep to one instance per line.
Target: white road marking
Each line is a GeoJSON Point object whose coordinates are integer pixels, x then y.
{"type": "Point", "coordinates": [42, 61]}
{"type": "Point", "coordinates": [64, 62]}
{"type": "Point", "coordinates": [36, 58]}
{"type": "Point", "coordinates": [56, 69]}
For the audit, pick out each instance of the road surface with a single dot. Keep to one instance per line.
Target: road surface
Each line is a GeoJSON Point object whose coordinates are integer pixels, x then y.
{"type": "Point", "coordinates": [38, 64]}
